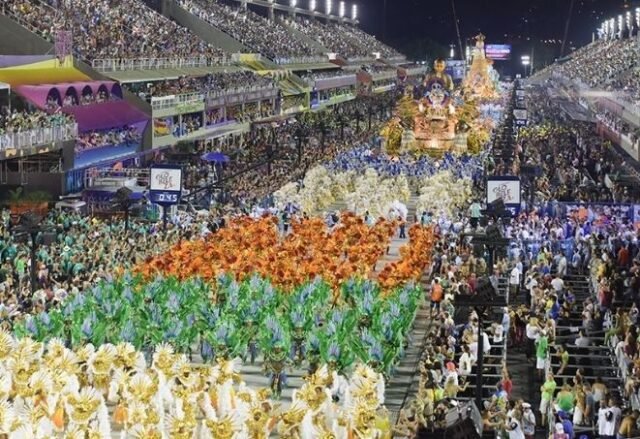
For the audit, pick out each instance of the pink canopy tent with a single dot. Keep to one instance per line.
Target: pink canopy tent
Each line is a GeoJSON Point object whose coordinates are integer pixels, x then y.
{"type": "Point", "coordinates": [38, 94]}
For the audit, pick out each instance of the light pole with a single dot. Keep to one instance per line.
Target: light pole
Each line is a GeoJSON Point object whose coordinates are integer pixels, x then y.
{"type": "Point", "coordinates": [526, 61]}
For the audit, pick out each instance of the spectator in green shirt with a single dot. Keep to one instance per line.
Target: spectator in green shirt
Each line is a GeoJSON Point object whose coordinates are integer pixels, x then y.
{"type": "Point", "coordinates": [547, 389]}
{"type": "Point", "coordinates": [566, 399]}
{"type": "Point", "coordinates": [542, 350]}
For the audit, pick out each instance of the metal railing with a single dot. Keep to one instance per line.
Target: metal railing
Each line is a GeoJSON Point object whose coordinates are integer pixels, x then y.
{"type": "Point", "coordinates": [312, 81]}
{"type": "Point", "coordinates": [125, 64]}
{"type": "Point", "coordinates": [301, 60]}
{"type": "Point", "coordinates": [238, 90]}
{"type": "Point", "coordinates": [158, 103]}
{"type": "Point", "coordinates": [171, 101]}
{"type": "Point", "coordinates": [360, 58]}
{"type": "Point", "coordinates": [95, 177]}
{"type": "Point", "coordinates": [413, 71]}
{"type": "Point", "coordinates": [381, 76]}
{"type": "Point", "coordinates": [39, 136]}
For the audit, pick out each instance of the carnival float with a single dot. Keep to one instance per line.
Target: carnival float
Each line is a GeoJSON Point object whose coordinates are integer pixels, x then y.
{"type": "Point", "coordinates": [434, 116]}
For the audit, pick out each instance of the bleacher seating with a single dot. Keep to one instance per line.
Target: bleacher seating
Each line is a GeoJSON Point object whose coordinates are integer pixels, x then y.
{"type": "Point", "coordinates": [109, 29]}
{"type": "Point", "coordinates": [335, 39]}
{"type": "Point", "coordinates": [601, 61]}
{"type": "Point", "coordinates": [268, 37]}
{"type": "Point", "coordinates": [369, 41]}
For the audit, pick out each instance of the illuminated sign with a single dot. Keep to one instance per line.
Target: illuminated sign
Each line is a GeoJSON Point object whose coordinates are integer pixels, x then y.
{"type": "Point", "coordinates": [498, 52]}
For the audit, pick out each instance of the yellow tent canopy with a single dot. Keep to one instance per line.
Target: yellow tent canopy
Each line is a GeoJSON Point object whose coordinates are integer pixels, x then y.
{"type": "Point", "coordinates": [43, 72]}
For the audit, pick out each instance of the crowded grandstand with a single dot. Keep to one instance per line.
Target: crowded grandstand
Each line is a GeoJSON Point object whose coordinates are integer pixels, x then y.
{"type": "Point", "coordinates": [246, 219]}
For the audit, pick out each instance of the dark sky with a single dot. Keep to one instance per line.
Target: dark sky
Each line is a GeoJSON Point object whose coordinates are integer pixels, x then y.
{"type": "Point", "coordinates": [503, 21]}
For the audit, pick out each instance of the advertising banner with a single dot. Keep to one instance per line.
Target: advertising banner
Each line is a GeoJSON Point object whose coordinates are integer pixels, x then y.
{"type": "Point", "coordinates": [162, 126]}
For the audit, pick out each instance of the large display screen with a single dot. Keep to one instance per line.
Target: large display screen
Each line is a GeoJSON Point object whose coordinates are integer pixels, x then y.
{"type": "Point", "coordinates": [165, 185]}
{"type": "Point", "coordinates": [498, 52]}
{"type": "Point", "coordinates": [507, 189]}
{"type": "Point", "coordinates": [166, 179]}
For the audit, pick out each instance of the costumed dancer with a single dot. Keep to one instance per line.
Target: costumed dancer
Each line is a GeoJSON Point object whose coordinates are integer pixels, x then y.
{"type": "Point", "coordinates": [276, 345]}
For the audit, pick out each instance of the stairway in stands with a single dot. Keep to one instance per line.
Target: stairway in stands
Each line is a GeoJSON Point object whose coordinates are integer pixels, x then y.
{"type": "Point", "coordinates": [289, 83]}
{"type": "Point", "coordinates": [596, 359]}
{"type": "Point", "coordinates": [492, 367]}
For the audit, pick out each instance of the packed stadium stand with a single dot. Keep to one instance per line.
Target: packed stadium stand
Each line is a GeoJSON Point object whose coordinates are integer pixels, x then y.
{"type": "Point", "coordinates": [104, 29]}
{"type": "Point", "coordinates": [268, 37]}
{"type": "Point", "coordinates": [101, 82]}
{"type": "Point", "coordinates": [332, 38]}
{"type": "Point", "coordinates": [602, 78]}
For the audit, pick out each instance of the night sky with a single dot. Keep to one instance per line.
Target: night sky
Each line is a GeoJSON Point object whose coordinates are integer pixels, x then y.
{"type": "Point", "coordinates": [518, 22]}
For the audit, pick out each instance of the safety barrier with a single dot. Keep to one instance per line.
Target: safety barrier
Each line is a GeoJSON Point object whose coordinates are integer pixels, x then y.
{"type": "Point", "coordinates": [120, 64]}
{"type": "Point", "coordinates": [301, 60]}
{"type": "Point", "coordinates": [163, 102]}
{"type": "Point", "coordinates": [39, 136]}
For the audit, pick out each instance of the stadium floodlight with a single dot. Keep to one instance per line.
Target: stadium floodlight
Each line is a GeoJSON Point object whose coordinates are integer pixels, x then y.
{"type": "Point", "coordinates": [328, 6]}
{"type": "Point", "coordinates": [312, 5]}
{"type": "Point", "coordinates": [620, 24]}
{"type": "Point", "coordinates": [342, 9]}
{"type": "Point", "coordinates": [354, 11]}
{"type": "Point", "coordinates": [628, 20]}
{"type": "Point", "coordinates": [637, 17]}
{"type": "Point", "coordinates": [293, 3]}
{"type": "Point", "coordinates": [526, 62]}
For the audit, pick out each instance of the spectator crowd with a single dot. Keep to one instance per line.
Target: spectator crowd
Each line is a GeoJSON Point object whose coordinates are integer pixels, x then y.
{"type": "Point", "coordinates": [332, 38]}
{"type": "Point", "coordinates": [17, 121]}
{"type": "Point", "coordinates": [126, 136]}
{"type": "Point", "coordinates": [105, 29]}
{"type": "Point", "coordinates": [70, 100]}
{"type": "Point", "coordinates": [208, 84]}
{"type": "Point", "coordinates": [268, 37]}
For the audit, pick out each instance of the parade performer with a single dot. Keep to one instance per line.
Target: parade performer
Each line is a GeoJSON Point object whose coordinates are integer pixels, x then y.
{"type": "Point", "coordinates": [276, 345]}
